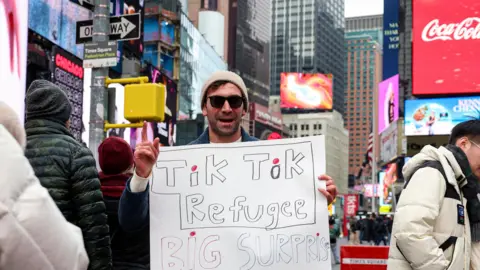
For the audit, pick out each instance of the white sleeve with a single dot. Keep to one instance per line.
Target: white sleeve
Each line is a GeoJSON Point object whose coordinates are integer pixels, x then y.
{"type": "Point", "coordinates": [139, 184]}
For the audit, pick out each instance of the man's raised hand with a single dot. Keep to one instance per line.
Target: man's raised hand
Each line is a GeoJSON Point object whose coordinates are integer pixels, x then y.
{"type": "Point", "coordinates": [146, 154]}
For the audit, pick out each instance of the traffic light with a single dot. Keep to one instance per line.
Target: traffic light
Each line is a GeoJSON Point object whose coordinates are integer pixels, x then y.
{"type": "Point", "coordinates": [144, 102]}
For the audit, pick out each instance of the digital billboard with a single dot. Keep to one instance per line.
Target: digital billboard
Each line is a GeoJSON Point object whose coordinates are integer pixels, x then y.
{"type": "Point", "coordinates": [388, 101]}
{"type": "Point", "coordinates": [68, 74]}
{"type": "Point", "coordinates": [56, 20]}
{"type": "Point", "coordinates": [438, 116]}
{"type": "Point", "coordinates": [390, 38]}
{"type": "Point", "coordinates": [386, 179]}
{"type": "Point", "coordinates": [13, 52]}
{"type": "Point", "coordinates": [151, 29]}
{"type": "Point", "coordinates": [306, 91]}
{"type": "Point", "coordinates": [167, 34]}
{"type": "Point", "coordinates": [445, 47]}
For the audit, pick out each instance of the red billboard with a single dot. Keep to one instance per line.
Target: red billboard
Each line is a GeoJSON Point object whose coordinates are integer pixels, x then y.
{"type": "Point", "coordinates": [306, 91]}
{"type": "Point", "coordinates": [350, 208]}
{"type": "Point", "coordinates": [446, 47]}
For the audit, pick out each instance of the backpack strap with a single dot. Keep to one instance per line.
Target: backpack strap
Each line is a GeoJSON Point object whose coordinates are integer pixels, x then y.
{"type": "Point", "coordinates": [450, 192]}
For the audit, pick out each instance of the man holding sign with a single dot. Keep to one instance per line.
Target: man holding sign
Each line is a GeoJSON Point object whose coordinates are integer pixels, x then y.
{"type": "Point", "coordinates": [224, 102]}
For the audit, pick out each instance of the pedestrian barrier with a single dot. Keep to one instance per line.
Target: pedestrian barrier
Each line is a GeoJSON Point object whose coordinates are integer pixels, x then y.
{"type": "Point", "coordinates": [363, 257]}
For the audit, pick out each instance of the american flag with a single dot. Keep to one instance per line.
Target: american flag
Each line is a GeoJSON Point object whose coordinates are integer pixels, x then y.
{"type": "Point", "coordinates": [369, 155]}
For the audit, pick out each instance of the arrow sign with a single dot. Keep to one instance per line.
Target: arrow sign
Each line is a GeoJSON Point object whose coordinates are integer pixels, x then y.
{"type": "Point", "coordinates": [88, 4]}
{"type": "Point", "coordinates": [125, 27]}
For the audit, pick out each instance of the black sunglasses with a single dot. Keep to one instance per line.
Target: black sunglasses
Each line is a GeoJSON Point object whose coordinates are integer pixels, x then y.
{"type": "Point", "coordinates": [217, 102]}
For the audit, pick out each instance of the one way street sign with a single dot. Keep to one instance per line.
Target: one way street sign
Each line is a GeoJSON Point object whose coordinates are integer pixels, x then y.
{"type": "Point", "coordinates": [125, 27]}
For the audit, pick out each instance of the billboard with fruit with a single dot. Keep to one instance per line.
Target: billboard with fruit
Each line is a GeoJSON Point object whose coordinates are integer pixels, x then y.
{"type": "Point", "coordinates": [438, 116]}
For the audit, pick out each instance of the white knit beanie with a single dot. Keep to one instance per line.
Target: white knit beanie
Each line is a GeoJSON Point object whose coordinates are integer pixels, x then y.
{"type": "Point", "coordinates": [10, 120]}
{"type": "Point", "coordinates": [225, 76]}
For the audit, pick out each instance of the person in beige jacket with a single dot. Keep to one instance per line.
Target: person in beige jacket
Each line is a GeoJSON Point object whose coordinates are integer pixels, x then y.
{"type": "Point", "coordinates": [437, 221]}
{"type": "Point", "coordinates": [34, 235]}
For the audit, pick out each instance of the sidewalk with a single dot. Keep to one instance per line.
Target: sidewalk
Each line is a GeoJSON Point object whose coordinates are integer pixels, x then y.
{"type": "Point", "coordinates": [340, 242]}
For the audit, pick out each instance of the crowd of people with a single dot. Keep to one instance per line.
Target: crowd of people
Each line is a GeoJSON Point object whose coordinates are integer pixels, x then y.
{"type": "Point", "coordinates": [370, 230]}
{"type": "Point", "coordinates": [58, 212]}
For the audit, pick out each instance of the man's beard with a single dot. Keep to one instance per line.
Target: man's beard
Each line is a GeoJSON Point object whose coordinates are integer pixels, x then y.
{"type": "Point", "coordinates": [222, 132]}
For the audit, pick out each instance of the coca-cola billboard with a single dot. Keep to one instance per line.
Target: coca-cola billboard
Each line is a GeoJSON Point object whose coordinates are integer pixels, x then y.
{"type": "Point", "coordinates": [446, 47]}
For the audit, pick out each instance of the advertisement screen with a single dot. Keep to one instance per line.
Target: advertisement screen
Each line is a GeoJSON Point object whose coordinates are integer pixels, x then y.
{"type": "Point", "coordinates": [438, 116]}
{"type": "Point", "coordinates": [167, 64]}
{"type": "Point", "coordinates": [305, 91]}
{"type": "Point", "coordinates": [56, 21]}
{"type": "Point", "coordinates": [390, 37]}
{"type": "Point", "coordinates": [13, 52]}
{"type": "Point", "coordinates": [168, 32]}
{"type": "Point", "coordinates": [388, 102]}
{"type": "Point", "coordinates": [445, 44]}
{"type": "Point", "coordinates": [151, 29]}
{"type": "Point", "coordinates": [386, 179]}
{"type": "Point", "coordinates": [68, 74]}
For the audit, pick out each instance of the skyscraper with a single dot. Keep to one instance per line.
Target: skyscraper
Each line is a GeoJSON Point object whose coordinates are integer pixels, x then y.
{"type": "Point", "coordinates": [363, 72]}
{"type": "Point", "coordinates": [308, 36]}
{"type": "Point", "coordinates": [247, 34]}
{"type": "Point", "coordinates": [405, 51]}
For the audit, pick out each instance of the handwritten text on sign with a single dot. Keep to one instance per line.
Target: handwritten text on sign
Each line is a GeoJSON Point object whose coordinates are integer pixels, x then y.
{"type": "Point", "coordinates": [239, 206]}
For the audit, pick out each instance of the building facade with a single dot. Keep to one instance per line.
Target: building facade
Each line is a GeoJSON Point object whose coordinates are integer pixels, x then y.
{"type": "Point", "coordinates": [405, 51]}
{"type": "Point", "coordinates": [364, 23]}
{"type": "Point", "coordinates": [247, 38]}
{"type": "Point", "coordinates": [198, 60]}
{"type": "Point", "coordinates": [363, 71]}
{"type": "Point", "coordinates": [336, 141]}
{"type": "Point", "coordinates": [308, 37]}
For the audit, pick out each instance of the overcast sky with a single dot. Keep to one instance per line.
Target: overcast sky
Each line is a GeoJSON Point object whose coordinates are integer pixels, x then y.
{"type": "Point", "coordinates": [355, 8]}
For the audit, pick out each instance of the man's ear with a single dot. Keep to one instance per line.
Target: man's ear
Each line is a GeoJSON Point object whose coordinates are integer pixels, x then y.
{"type": "Point", "coordinates": [463, 143]}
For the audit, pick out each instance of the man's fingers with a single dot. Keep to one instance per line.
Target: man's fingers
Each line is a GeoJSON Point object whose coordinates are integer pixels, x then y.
{"type": "Point", "coordinates": [325, 177]}
{"type": "Point", "coordinates": [326, 194]}
{"type": "Point", "coordinates": [156, 144]}
{"type": "Point", "coordinates": [144, 132]}
{"type": "Point", "coordinates": [145, 153]}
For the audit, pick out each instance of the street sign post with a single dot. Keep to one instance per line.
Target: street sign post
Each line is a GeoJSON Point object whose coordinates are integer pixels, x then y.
{"type": "Point", "coordinates": [100, 54]}
{"type": "Point", "coordinates": [125, 27]}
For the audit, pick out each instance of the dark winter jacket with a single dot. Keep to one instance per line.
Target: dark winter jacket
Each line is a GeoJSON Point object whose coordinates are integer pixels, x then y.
{"type": "Point", "coordinates": [130, 250]}
{"type": "Point", "coordinates": [133, 212]}
{"type": "Point", "coordinates": [67, 169]}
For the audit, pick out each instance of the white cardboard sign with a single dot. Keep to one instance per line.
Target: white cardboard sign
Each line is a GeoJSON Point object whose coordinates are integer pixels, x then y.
{"type": "Point", "coordinates": [240, 206]}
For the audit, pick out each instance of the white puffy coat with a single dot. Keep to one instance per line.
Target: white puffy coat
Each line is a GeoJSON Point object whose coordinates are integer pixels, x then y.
{"type": "Point", "coordinates": [426, 218]}
{"type": "Point", "coordinates": [34, 235]}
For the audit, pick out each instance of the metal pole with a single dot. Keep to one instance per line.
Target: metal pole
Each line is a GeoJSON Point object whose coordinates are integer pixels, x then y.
{"type": "Point", "coordinates": [374, 149]}
{"type": "Point", "coordinates": [101, 31]}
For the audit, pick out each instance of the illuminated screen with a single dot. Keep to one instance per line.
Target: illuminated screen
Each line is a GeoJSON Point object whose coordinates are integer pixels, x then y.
{"type": "Point", "coordinates": [305, 91]}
